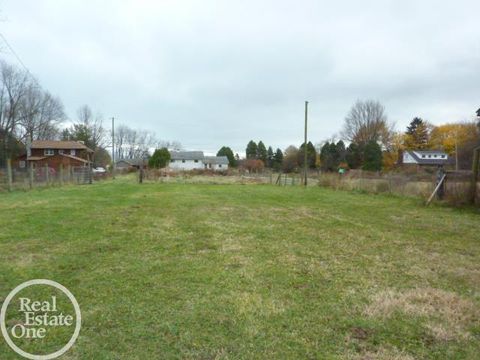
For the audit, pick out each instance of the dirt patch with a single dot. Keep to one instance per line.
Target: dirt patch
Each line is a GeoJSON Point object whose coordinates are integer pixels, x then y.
{"type": "Point", "coordinates": [449, 315]}
{"type": "Point", "coordinates": [360, 333]}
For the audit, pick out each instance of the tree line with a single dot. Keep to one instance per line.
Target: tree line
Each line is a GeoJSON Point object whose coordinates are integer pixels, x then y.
{"type": "Point", "coordinates": [373, 144]}
{"type": "Point", "coordinates": [28, 112]}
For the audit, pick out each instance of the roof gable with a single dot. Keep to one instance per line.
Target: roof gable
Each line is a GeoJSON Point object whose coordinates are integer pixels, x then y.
{"type": "Point", "coordinates": [54, 144]}
{"type": "Point", "coordinates": [219, 160]}
{"type": "Point", "coordinates": [187, 155]}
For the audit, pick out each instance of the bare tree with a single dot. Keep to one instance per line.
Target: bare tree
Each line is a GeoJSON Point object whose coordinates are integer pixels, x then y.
{"type": "Point", "coordinates": [88, 128]}
{"type": "Point", "coordinates": [171, 145]}
{"type": "Point", "coordinates": [131, 143]}
{"type": "Point", "coordinates": [14, 85]}
{"type": "Point", "coordinates": [41, 115]}
{"type": "Point", "coordinates": [367, 121]}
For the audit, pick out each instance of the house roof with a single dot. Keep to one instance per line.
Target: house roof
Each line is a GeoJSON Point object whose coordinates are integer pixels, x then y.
{"type": "Point", "coordinates": [219, 160]}
{"type": "Point", "coordinates": [429, 161]}
{"type": "Point", "coordinates": [75, 158]}
{"type": "Point", "coordinates": [136, 161]}
{"type": "Point", "coordinates": [35, 158]}
{"type": "Point", "coordinates": [429, 152]}
{"type": "Point", "coordinates": [187, 155]}
{"type": "Point", "coordinates": [54, 144]}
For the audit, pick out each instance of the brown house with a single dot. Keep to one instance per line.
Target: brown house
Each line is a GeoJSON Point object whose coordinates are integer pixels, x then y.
{"type": "Point", "coordinates": [53, 153]}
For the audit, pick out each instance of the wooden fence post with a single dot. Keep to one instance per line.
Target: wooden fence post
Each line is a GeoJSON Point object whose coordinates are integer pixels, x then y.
{"type": "Point", "coordinates": [70, 174]}
{"type": "Point", "coordinates": [9, 174]}
{"type": "Point", "coordinates": [61, 174]}
{"type": "Point", "coordinates": [475, 166]}
{"type": "Point", "coordinates": [30, 175]}
{"type": "Point", "coordinates": [140, 174]}
{"type": "Point", "coordinates": [90, 173]}
{"type": "Point", "coordinates": [47, 174]}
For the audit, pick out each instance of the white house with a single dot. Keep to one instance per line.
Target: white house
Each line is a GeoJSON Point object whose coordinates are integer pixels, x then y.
{"type": "Point", "coordinates": [186, 160]}
{"type": "Point", "coordinates": [425, 157]}
{"type": "Point", "coordinates": [196, 160]}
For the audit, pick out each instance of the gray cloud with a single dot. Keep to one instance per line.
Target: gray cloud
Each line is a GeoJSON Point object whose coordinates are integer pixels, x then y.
{"type": "Point", "coordinates": [213, 73]}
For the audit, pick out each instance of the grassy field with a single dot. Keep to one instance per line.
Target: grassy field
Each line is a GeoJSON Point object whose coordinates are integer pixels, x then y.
{"type": "Point", "coordinates": [252, 271]}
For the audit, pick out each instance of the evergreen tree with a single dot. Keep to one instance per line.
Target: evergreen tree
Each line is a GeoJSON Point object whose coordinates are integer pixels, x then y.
{"type": "Point", "coordinates": [325, 156]}
{"type": "Point", "coordinates": [417, 134]}
{"type": "Point", "coordinates": [334, 157]}
{"type": "Point", "coordinates": [354, 156]}
{"type": "Point", "coordinates": [372, 157]}
{"type": "Point", "coordinates": [278, 159]}
{"type": "Point", "coordinates": [262, 152]}
{"type": "Point", "coordinates": [226, 151]}
{"type": "Point", "coordinates": [270, 157]}
{"type": "Point", "coordinates": [330, 156]}
{"type": "Point", "coordinates": [342, 151]}
{"type": "Point", "coordinates": [311, 156]}
{"type": "Point", "coordinates": [251, 150]}
{"type": "Point", "coordinates": [159, 159]}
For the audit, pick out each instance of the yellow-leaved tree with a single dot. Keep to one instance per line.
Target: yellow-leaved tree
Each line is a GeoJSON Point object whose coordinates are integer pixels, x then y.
{"type": "Point", "coordinates": [452, 136]}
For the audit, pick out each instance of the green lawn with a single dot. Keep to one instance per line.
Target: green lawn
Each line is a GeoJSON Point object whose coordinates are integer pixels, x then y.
{"type": "Point", "coordinates": [252, 271]}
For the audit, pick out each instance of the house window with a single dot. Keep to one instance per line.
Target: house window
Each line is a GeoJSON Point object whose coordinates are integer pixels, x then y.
{"type": "Point", "coordinates": [219, 165]}
{"type": "Point", "coordinates": [429, 156]}
{"type": "Point", "coordinates": [21, 164]}
{"type": "Point", "coordinates": [443, 156]}
{"type": "Point", "coordinates": [72, 152]}
{"type": "Point", "coordinates": [183, 161]}
{"type": "Point", "coordinates": [60, 151]}
{"type": "Point", "coordinates": [423, 156]}
{"type": "Point", "coordinates": [434, 156]}
{"type": "Point", "coordinates": [172, 161]}
{"type": "Point", "coordinates": [48, 152]}
{"type": "Point", "coordinates": [196, 160]}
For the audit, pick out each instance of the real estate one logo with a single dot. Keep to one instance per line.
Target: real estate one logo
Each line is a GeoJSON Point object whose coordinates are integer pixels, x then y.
{"type": "Point", "coordinates": [37, 318]}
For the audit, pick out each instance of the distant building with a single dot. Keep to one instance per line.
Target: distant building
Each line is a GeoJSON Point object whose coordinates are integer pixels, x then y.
{"type": "Point", "coordinates": [425, 157]}
{"type": "Point", "coordinates": [219, 163]}
{"type": "Point", "coordinates": [54, 153]}
{"type": "Point", "coordinates": [186, 160]}
{"type": "Point", "coordinates": [127, 164]}
{"type": "Point", "coordinates": [196, 160]}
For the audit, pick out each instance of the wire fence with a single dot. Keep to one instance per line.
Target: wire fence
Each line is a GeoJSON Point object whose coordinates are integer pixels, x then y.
{"type": "Point", "coordinates": [33, 177]}
{"type": "Point", "coordinates": [456, 189]}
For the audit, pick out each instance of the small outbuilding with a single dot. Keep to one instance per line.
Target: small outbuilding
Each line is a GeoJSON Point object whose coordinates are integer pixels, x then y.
{"type": "Point", "coordinates": [217, 163]}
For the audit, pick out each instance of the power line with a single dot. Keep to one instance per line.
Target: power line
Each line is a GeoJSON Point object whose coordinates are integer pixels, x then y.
{"type": "Point", "coordinates": [19, 59]}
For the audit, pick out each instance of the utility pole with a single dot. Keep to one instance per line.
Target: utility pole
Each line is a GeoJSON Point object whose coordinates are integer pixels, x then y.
{"type": "Point", "coordinates": [305, 166]}
{"type": "Point", "coordinates": [113, 147]}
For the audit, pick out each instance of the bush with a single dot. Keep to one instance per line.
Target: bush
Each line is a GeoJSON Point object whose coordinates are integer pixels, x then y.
{"type": "Point", "coordinates": [159, 159]}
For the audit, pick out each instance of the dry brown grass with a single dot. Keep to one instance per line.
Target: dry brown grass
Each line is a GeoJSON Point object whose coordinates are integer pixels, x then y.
{"type": "Point", "coordinates": [449, 315]}
{"type": "Point", "coordinates": [382, 354]}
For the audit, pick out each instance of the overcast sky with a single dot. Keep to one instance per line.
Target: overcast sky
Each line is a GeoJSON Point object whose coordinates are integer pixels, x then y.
{"type": "Point", "coordinates": [212, 73]}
